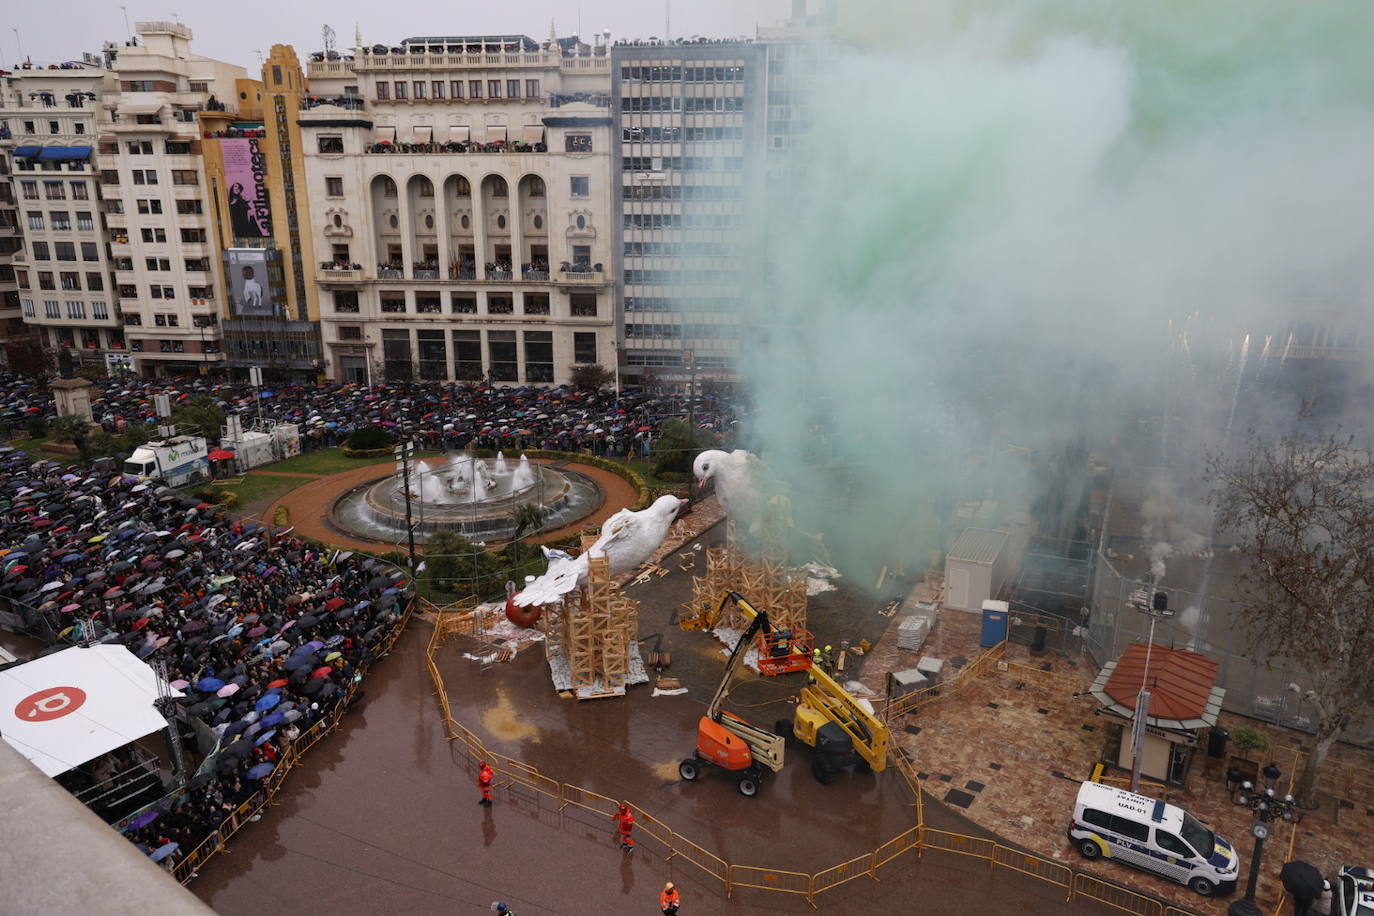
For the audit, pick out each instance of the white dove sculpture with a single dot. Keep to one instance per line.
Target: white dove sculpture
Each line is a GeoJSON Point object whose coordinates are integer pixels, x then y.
{"type": "Point", "coordinates": [739, 477]}
{"type": "Point", "coordinates": [627, 539]}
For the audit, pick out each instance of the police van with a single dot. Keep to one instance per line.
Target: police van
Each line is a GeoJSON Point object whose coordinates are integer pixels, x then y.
{"type": "Point", "coordinates": [1153, 836]}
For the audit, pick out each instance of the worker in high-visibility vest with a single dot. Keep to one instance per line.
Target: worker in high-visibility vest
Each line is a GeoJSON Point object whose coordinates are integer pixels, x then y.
{"type": "Point", "coordinates": [669, 901]}
{"type": "Point", "coordinates": [484, 778]}
{"type": "Point", "coordinates": [625, 820]}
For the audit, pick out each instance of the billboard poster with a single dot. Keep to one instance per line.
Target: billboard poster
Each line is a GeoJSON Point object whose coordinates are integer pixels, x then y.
{"type": "Point", "coordinates": [248, 282]}
{"type": "Point", "coordinates": [245, 172]}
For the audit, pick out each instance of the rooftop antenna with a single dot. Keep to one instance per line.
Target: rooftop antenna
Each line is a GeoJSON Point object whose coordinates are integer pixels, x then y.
{"type": "Point", "coordinates": [328, 35]}
{"type": "Point", "coordinates": [667, 19]}
{"type": "Point", "coordinates": [258, 52]}
{"type": "Point", "coordinates": [128, 30]}
{"type": "Point", "coordinates": [19, 43]}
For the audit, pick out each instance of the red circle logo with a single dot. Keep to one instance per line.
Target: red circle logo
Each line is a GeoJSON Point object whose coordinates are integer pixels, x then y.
{"type": "Point", "coordinates": [49, 704]}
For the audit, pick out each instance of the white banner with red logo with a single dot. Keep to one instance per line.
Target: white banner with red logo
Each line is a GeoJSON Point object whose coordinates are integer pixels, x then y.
{"type": "Point", "coordinates": [64, 709]}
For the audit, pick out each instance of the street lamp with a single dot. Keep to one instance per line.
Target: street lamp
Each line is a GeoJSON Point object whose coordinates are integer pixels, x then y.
{"type": "Point", "coordinates": [405, 449]}
{"type": "Point", "coordinates": [1158, 609]}
{"type": "Point", "coordinates": [1267, 807]}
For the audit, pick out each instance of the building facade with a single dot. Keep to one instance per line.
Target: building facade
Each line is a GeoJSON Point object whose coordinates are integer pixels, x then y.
{"type": "Point", "coordinates": [688, 162]}
{"type": "Point", "coordinates": [460, 205]}
{"type": "Point", "coordinates": [59, 266]}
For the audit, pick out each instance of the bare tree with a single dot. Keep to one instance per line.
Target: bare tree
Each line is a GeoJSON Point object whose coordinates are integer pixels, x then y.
{"type": "Point", "coordinates": [1303, 514]}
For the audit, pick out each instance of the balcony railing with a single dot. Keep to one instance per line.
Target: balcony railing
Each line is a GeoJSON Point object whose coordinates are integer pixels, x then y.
{"type": "Point", "coordinates": [582, 273]}
{"type": "Point", "coordinates": [425, 273]}
{"type": "Point", "coordinates": [391, 273]}
{"type": "Point", "coordinates": [462, 273]}
{"type": "Point", "coordinates": [441, 148]}
{"type": "Point", "coordinates": [498, 274]}
{"type": "Point", "coordinates": [336, 273]}
{"type": "Point", "coordinates": [535, 274]}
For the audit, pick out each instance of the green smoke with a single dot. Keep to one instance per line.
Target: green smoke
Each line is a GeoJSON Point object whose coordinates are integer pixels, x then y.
{"type": "Point", "coordinates": [1000, 206]}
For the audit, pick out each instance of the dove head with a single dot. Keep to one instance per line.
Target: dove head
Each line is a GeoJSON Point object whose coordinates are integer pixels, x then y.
{"type": "Point", "coordinates": [667, 505]}
{"type": "Point", "coordinates": [706, 464]}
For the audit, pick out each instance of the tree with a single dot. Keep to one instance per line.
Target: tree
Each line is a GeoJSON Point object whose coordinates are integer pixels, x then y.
{"type": "Point", "coordinates": [202, 415]}
{"type": "Point", "coordinates": [593, 377]}
{"type": "Point", "coordinates": [69, 428]}
{"type": "Point", "coordinates": [458, 565]}
{"type": "Point", "coordinates": [1303, 515]}
{"type": "Point", "coordinates": [677, 445]}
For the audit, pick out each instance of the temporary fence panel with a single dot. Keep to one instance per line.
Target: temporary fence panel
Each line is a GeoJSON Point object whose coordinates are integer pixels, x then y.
{"type": "Point", "coordinates": [902, 842]}
{"type": "Point", "coordinates": [586, 798]}
{"type": "Point", "coordinates": [1036, 867]}
{"type": "Point", "coordinates": [958, 843]}
{"type": "Point", "coordinates": [1115, 896]}
{"type": "Point", "coordinates": [525, 775]}
{"type": "Point", "coordinates": [708, 862]}
{"type": "Point", "coordinates": [768, 879]}
{"type": "Point", "coordinates": [648, 825]}
{"type": "Point", "coordinates": [834, 876]}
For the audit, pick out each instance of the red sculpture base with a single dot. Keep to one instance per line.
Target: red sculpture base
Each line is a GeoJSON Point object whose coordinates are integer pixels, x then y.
{"type": "Point", "coordinates": [522, 616]}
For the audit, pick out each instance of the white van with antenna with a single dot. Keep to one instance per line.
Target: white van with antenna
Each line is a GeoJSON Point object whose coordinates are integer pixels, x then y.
{"type": "Point", "coordinates": [1154, 836]}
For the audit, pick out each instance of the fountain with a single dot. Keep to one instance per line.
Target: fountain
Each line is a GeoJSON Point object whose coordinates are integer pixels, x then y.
{"type": "Point", "coordinates": [476, 497]}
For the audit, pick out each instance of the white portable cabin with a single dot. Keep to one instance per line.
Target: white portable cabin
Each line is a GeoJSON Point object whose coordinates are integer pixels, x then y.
{"type": "Point", "coordinates": [976, 568]}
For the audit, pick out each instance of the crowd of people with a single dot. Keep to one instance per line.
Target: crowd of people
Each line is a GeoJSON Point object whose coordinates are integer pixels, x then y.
{"type": "Point", "coordinates": [443, 415]}
{"type": "Point", "coordinates": [262, 632]}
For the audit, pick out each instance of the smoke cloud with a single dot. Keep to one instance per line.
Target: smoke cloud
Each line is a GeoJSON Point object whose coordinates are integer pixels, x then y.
{"type": "Point", "coordinates": [1015, 229]}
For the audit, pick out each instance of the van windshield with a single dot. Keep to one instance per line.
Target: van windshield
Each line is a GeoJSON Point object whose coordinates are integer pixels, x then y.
{"type": "Point", "coordinates": [1198, 836]}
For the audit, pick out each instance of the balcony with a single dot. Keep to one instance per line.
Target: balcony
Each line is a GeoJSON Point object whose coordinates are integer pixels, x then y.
{"type": "Point", "coordinates": [462, 273]}
{"type": "Point", "coordinates": [419, 272]}
{"type": "Point", "coordinates": [390, 273]}
{"type": "Point", "coordinates": [432, 149]}
{"type": "Point", "coordinates": [496, 273]}
{"type": "Point", "coordinates": [336, 273]}
{"type": "Point", "coordinates": [590, 275]}
{"type": "Point", "coordinates": [535, 275]}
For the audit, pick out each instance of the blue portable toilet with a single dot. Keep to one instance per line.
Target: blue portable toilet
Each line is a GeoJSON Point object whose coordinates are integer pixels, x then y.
{"type": "Point", "coordinates": [994, 623]}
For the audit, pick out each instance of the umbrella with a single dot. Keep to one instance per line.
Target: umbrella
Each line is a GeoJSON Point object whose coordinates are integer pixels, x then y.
{"type": "Point", "coordinates": [162, 852]}
{"type": "Point", "coordinates": [179, 684]}
{"type": "Point", "coordinates": [259, 771]}
{"type": "Point", "coordinates": [209, 684]}
{"type": "Point", "coordinates": [235, 727]}
{"type": "Point", "coordinates": [333, 604]}
{"type": "Point", "coordinates": [1301, 879]}
{"type": "Point", "coordinates": [144, 819]}
{"type": "Point", "coordinates": [315, 686]}
{"type": "Point", "coordinates": [228, 690]}
{"type": "Point", "coordinates": [264, 737]}
{"type": "Point", "coordinates": [275, 718]}
{"type": "Point", "coordinates": [267, 702]}
{"type": "Point", "coordinates": [279, 682]}
{"type": "Point", "coordinates": [51, 585]}
{"type": "Point", "coordinates": [322, 671]}
{"type": "Point", "coordinates": [257, 631]}
{"type": "Point", "coordinates": [333, 655]}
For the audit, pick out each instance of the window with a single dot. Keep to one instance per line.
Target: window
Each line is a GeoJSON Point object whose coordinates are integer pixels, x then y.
{"type": "Point", "coordinates": [154, 235]}
{"type": "Point", "coordinates": [95, 281]}
{"type": "Point", "coordinates": [177, 147]}
{"type": "Point", "coordinates": [45, 280]}
{"type": "Point", "coordinates": [467, 355]}
{"type": "Point", "coordinates": [114, 206]}
{"type": "Point", "coordinates": [383, 90]}
{"type": "Point", "coordinates": [475, 89]}
{"type": "Point", "coordinates": [192, 235]}
{"type": "Point", "coordinates": [28, 308]}
{"type": "Point", "coordinates": [30, 189]}
{"type": "Point", "coordinates": [465, 304]}
{"type": "Point", "coordinates": [394, 303]}
{"type": "Point", "coordinates": [1173, 845]}
{"type": "Point", "coordinates": [433, 356]}
{"type": "Point", "coordinates": [500, 304]}
{"type": "Point", "coordinates": [584, 347]}
{"type": "Point", "coordinates": [494, 88]}
{"type": "Point", "coordinates": [70, 280]}
{"type": "Point", "coordinates": [419, 86]}
{"type": "Point", "coordinates": [40, 251]}
{"type": "Point", "coordinates": [52, 308]}
{"type": "Point", "coordinates": [536, 189]}
{"type": "Point", "coordinates": [200, 265]}
{"type": "Point", "coordinates": [350, 332]}
{"type": "Point", "coordinates": [437, 87]}
{"type": "Point", "coordinates": [79, 191]}
{"type": "Point", "coordinates": [333, 187]}
{"type": "Point", "coordinates": [396, 353]}
{"type": "Point", "coordinates": [186, 178]}
{"type": "Point", "coordinates": [582, 255]}
{"type": "Point", "coordinates": [400, 89]}
{"type": "Point", "coordinates": [76, 310]}
{"type": "Point", "coordinates": [22, 276]}
{"type": "Point", "coordinates": [127, 290]}
{"type": "Point", "coordinates": [1196, 835]}
{"type": "Point", "coordinates": [580, 186]}
{"type": "Point", "coordinates": [331, 143]}
{"type": "Point", "coordinates": [54, 190]}
{"type": "Point", "coordinates": [536, 303]}
{"type": "Point", "coordinates": [85, 223]}
{"type": "Point", "coordinates": [54, 127]}
{"type": "Point", "coordinates": [65, 251]}
{"type": "Point", "coordinates": [1130, 829]}
{"type": "Point", "coordinates": [28, 127]}
{"type": "Point", "coordinates": [100, 311]}
{"type": "Point", "coordinates": [428, 304]}
{"type": "Point", "coordinates": [531, 89]}
{"type": "Point", "coordinates": [188, 207]}
{"type": "Point", "coordinates": [346, 301]}
{"type": "Point", "coordinates": [577, 143]}
{"type": "Point", "coordinates": [455, 88]}
{"type": "Point", "coordinates": [538, 356]}
{"type": "Point", "coordinates": [156, 264]}
{"type": "Point", "coordinates": [513, 89]}
{"type": "Point", "coordinates": [583, 305]}
{"type": "Point", "coordinates": [35, 219]}
{"type": "Point", "coordinates": [151, 206]}
{"type": "Point", "coordinates": [145, 176]}
{"type": "Point", "coordinates": [199, 86]}
{"type": "Point", "coordinates": [133, 320]}
{"type": "Point", "coordinates": [502, 356]}
{"type": "Point", "coordinates": [61, 220]}
{"type": "Point", "coordinates": [140, 147]}
{"type": "Point", "coordinates": [90, 251]}
{"type": "Point", "coordinates": [200, 292]}
{"type": "Point", "coordinates": [109, 176]}
{"type": "Point", "coordinates": [80, 127]}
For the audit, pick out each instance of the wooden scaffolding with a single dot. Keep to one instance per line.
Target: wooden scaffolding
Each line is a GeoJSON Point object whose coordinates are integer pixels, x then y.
{"type": "Point", "coordinates": [762, 576]}
{"type": "Point", "coordinates": [591, 638]}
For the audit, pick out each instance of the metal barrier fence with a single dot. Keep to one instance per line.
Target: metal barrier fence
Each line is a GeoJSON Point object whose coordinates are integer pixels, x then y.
{"type": "Point", "coordinates": [188, 865]}
{"type": "Point", "coordinates": [731, 876]}
{"type": "Point", "coordinates": [911, 702]}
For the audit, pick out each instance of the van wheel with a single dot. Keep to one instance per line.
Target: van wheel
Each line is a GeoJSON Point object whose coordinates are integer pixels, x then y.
{"type": "Point", "coordinates": [688, 769]}
{"type": "Point", "coordinates": [748, 786]}
{"type": "Point", "coordinates": [1089, 849]}
{"type": "Point", "coordinates": [1201, 886]}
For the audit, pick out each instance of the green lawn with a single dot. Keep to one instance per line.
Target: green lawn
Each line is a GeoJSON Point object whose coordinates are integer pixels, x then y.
{"type": "Point", "coordinates": [329, 461]}
{"type": "Point", "coordinates": [33, 447]}
{"type": "Point", "coordinates": [258, 491]}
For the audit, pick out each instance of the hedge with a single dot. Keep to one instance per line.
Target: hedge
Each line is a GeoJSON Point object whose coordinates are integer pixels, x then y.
{"type": "Point", "coordinates": [366, 452]}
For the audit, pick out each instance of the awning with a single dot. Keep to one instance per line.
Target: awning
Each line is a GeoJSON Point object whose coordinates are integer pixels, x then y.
{"type": "Point", "coordinates": [75, 705]}
{"type": "Point", "coordinates": [496, 134]}
{"type": "Point", "coordinates": [533, 133]}
{"type": "Point", "coordinates": [458, 134]}
{"type": "Point", "coordinates": [65, 154]}
{"type": "Point", "coordinates": [423, 134]}
{"type": "Point", "coordinates": [385, 135]}
{"type": "Point", "coordinates": [141, 108]}
{"type": "Point", "coordinates": [27, 152]}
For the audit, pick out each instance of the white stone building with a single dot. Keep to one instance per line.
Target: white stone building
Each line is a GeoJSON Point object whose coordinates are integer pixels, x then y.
{"type": "Point", "coordinates": [460, 196]}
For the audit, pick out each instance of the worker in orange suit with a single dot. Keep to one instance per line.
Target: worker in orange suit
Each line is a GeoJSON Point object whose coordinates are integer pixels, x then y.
{"type": "Point", "coordinates": [484, 777]}
{"type": "Point", "coordinates": [625, 820]}
{"type": "Point", "coordinates": [669, 901]}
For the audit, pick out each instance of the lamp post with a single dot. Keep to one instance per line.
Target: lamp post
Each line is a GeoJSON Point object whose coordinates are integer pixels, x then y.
{"type": "Point", "coordinates": [1267, 808]}
{"type": "Point", "coordinates": [1158, 609]}
{"type": "Point", "coordinates": [404, 450]}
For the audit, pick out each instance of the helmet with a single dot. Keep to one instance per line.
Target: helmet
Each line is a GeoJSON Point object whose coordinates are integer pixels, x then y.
{"type": "Point", "coordinates": [668, 886]}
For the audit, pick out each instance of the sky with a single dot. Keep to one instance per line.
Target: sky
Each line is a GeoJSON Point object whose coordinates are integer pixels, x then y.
{"type": "Point", "coordinates": [233, 32]}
